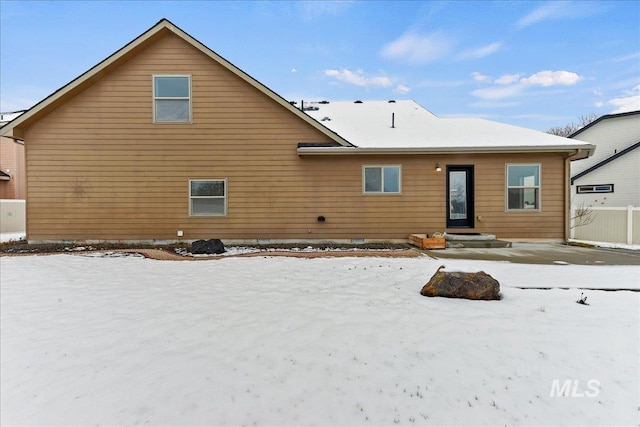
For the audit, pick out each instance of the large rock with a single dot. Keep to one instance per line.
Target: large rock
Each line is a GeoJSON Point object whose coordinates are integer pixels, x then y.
{"type": "Point", "coordinates": [207, 247]}
{"type": "Point", "coordinates": [476, 286]}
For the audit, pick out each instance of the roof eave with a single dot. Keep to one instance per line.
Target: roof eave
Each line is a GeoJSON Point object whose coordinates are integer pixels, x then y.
{"type": "Point", "coordinates": [576, 152]}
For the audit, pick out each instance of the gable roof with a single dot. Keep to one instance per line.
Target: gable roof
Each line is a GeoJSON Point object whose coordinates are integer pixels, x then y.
{"type": "Point", "coordinates": [602, 118]}
{"type": "Point", "coordinates": [405, 126]}
{"type": "Point", "coordinates": [605, 161]}
{"type": "Point", "coordinates": [13, 128]}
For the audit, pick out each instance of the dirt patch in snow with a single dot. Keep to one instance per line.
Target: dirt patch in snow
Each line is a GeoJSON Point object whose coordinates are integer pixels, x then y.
{"type": "Point", "coordinates": [180, 252]}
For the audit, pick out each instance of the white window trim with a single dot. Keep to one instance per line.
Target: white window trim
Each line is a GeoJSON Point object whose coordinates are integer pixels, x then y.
{"type": "Point", "coordinates": [593, 189]}
{"type": "Point", "coordinates": [154, 98]}
{"type": "Point", "coordinates": [507, 187]}
{"type": "Point", "coordinates": [225, 197]}
{"type": "Point", "coordinates": [381, 193]}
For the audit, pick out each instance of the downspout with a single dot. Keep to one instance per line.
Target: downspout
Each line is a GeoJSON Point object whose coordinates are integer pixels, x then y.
{"type": "Point", "coordinates": [567, 195]}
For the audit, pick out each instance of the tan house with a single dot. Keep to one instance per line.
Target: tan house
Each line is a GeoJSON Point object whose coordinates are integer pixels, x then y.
{"type": "Point", "coordinates": [166, 140]}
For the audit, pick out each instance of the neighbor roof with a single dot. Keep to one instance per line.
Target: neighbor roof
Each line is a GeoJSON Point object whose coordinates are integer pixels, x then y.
{"type": "Point", "coordinates": [385, 126]}
{"type": "Point", "coordinates": [602, 118]}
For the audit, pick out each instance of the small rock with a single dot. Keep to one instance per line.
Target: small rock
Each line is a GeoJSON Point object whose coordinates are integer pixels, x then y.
{"type": "Point", "coordinates": [474, 286]}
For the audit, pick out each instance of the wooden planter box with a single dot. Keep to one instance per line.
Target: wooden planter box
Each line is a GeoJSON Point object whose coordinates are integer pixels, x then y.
{"type": "Point", "coordinates": [424, 242]}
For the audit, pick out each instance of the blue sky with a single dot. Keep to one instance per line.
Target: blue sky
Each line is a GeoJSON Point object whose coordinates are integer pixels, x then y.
{"type": "Point", "coordinates": [532, 64]}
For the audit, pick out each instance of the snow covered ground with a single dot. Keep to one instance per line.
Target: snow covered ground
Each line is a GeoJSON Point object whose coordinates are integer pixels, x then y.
{"type": "Point", "coordinates": [8, 237]}
{"type": "Point", "coordinates": [123, 340]}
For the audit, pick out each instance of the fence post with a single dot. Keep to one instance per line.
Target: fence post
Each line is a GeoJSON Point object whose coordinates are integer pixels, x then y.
{"type": "Point", "coordinates": [629, 224]}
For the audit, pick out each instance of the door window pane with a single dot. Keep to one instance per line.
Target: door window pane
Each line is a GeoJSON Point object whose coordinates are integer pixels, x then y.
{"type": "Point", "coordinates": [458, 195]}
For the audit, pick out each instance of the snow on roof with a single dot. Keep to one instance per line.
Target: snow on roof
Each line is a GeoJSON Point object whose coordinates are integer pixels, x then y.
{"type": "Point", "coordinates": [633, 105]}
{"type": "Point", "coordinates": [7, 117]}
{"type": "Point", "coordinates": [406, 124]}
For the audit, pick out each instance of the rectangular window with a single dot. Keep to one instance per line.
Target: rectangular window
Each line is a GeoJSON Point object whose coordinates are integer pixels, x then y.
{"type": "Point", "coordinates": [208, 197]}
{"type": "Point", "coordinates": [523, 187]}
{"type": "Point", "coordinates": [382, 179]}
{"type": "Point", "coordinates": [601, 188]}
{"type": "Point", "coordinates": [172, 99]}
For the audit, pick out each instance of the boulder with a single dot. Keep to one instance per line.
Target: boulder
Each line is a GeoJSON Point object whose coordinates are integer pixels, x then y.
{"type": "Point", "coordinates": [207, 247]}
{"type": "Point", "coordinates": [475, 286]}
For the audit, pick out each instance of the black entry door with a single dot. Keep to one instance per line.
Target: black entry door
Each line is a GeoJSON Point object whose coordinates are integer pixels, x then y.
{"type": "Point", "coordinates": [460, 196]}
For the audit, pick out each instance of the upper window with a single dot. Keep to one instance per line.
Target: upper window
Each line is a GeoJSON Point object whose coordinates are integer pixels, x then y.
{"type": "Point", "coordinates": [172, 99]}
{"type": "Point", "coordinates": [382, 179]}
{"type": "Point", "coordinates": [523, 187]}
{"type": "Point", "coordinates": [208, 197]}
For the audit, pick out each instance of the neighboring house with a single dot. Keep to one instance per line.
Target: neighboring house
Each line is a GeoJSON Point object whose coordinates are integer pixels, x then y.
{"type": "Point", "coordinates": [166, 140]}
{"type": "Point", "coordinates": [12, 173]}
{"type": "Point", "coordinates": [611, 177]}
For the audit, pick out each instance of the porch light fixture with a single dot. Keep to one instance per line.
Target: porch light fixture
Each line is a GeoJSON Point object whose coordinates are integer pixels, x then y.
{"type": "Point", "coordinates": [438, 167]}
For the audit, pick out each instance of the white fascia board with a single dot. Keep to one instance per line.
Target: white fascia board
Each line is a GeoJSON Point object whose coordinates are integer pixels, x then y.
{"type": "Point", "coordinates": [577, 152]}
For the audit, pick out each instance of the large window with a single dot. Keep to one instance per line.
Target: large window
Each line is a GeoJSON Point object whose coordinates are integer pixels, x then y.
{"type": "Point", "coordinates": [172, 99]}
{"type": "Point", "coordinates": [208, 197]}
{"type": "Point", "coordinates": [382, 179]}
{"type": "Point", "coordinates": [523, 187]}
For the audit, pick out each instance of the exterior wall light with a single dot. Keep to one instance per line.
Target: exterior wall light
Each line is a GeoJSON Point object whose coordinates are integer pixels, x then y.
{"type": "Point", "coordinates": [438, 167]}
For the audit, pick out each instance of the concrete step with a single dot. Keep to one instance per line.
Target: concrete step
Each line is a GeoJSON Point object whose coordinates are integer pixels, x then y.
{"type": "Point", "coordinates": [478, 244]}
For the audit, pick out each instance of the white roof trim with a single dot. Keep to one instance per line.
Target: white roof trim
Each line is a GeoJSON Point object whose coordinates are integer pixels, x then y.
{"type": "Point", "coordinates": [580, 151]}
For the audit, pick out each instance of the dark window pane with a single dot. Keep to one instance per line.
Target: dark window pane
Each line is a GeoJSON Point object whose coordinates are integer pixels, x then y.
{"type": "Point", "coordinates": [392, 179]}
{"type": "Point", "coordinates": [207, 188]}
{"type": "Point", "coordinates": [373, 180]}
{"type": "Point", "coordinates": [207, 207]}
{"type": "Point", "coordinates": [168, 110]}
{"type": "Point", "coordinates": [172, 87]}
{"type": "Point", "coordinates": [523, 175]}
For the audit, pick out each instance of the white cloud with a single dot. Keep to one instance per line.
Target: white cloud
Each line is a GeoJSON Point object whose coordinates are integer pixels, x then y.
{"type": "Point", "coordinates": [561, 9]}
{"type": "Point", "coordinates": [630, 100]}
{"type": "Point", "coordinates": [358, 78]}
{"type": "Point", "coordinates": [498, 92]}
{"type": "Point", "coordinates": [550, 10]}
{"type": "Point", "coordinates": [494, 104]}
{"type": "Point", "coordinates": [508, 79]}
{"type": "Point", "coordinates": [480, 77]}
{"type": "Point", "coordinates": [293, 70]}
{"type": "Point", "coordinates": [402, 89]}
{"type": "Point", "coordinates": [552, 78]}
{"type": "Point", "coordinates": [440, 83]}
{"type": "Point", "coordinates": [312, 10]}
{"type": "Point", "coordinates": [480, 52]}
{"type": "Point", "coordinates": [418, 49]}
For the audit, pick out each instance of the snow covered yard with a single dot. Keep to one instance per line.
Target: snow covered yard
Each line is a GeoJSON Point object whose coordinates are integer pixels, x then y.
{"type": "Point", "coordinates": [90, 340]}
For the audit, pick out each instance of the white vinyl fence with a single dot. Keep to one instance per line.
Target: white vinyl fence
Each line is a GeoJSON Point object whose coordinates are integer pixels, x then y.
{"type": "Point", "coordinates": [12, 216]}
{"type": "Point", "coordinates": [607, 224]}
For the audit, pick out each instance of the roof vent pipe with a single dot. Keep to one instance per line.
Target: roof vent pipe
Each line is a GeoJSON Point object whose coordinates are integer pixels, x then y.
{"type": "Point", "coordinates": [393, 120]}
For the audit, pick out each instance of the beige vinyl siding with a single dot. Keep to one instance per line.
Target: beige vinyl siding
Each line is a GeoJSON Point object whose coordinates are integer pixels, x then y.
{"type": "Point", "coordinates": [100, 169]}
